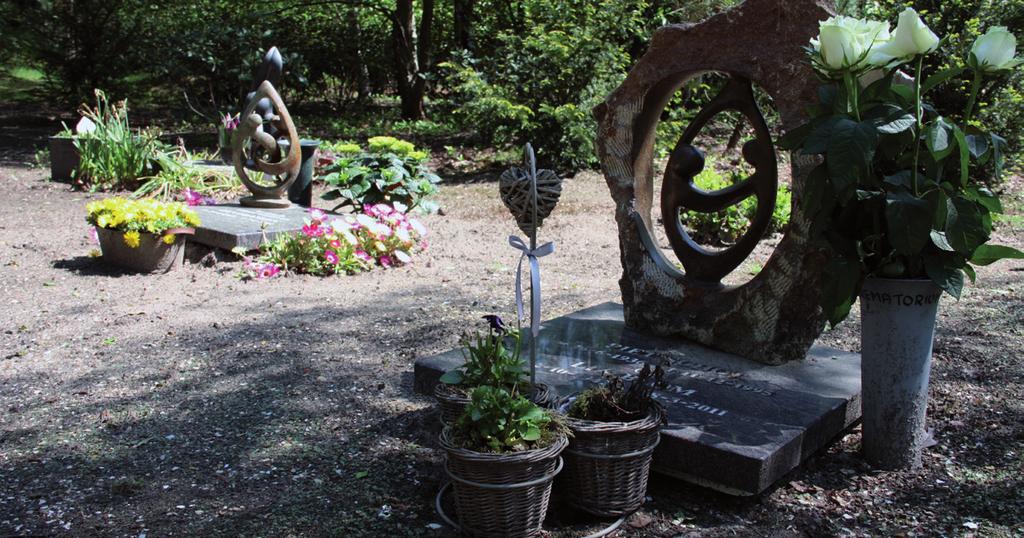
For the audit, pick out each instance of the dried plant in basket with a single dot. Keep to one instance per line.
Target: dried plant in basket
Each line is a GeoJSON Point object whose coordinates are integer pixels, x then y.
{"type": "Point", "coordinates": [618, 402]}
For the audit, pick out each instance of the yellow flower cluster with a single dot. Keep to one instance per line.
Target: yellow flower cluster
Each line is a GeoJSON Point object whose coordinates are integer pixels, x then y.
{"type": "Point", "coordinates": [132, 239]}
{"type": "Point", "coordinates": [147, 215]}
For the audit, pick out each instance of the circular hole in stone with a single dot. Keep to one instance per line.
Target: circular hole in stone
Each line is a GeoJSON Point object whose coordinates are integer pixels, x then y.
{"type": "Point", "coordinates": [721, 140]}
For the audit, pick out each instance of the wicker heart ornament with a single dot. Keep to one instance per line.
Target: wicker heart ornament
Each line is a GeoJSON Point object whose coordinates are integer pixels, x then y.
{"type": "Point", "coordinates": [517, 194]}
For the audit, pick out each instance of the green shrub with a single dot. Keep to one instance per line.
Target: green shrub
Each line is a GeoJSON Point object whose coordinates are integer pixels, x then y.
{"type": "Point", "coordinates": [390, 171]}
{"type": "Point", "coordinates": [113, 156]}
{"type": "Point", "coordinates": [725, 227]}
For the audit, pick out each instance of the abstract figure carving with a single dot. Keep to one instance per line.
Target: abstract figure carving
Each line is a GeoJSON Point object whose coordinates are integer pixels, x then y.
{"type": "Point", "coordinates": [679, 192]}
{"type": "Point", "coordinates": [775, 316]}
{"type": "Point", "coordinates": [255, 144]}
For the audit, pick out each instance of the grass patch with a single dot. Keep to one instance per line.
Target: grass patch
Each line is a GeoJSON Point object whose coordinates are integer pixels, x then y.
{"type": "Point", "coordinates": [22, 84]}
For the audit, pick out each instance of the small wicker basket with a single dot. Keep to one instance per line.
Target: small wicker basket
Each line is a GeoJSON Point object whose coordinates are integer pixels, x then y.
{"type": "Point", "coordinates": [453, 401]}
{"type": "Point", "coordinates": [502, 495]}
{"type": "Point", "coordinates": [607, 464]}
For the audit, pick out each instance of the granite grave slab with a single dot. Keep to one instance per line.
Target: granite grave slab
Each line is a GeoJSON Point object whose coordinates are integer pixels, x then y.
{"type": "Point", "coordinates": [231, 225]}
{"type": "Point", "coordinates": [735, 425]}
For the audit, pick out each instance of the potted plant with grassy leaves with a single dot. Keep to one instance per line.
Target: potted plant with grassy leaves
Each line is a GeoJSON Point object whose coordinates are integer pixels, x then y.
{"type": "Point", "coordinates": [145, 236]}
{"type": "Point", "coordinates": [491, 358]}
{"type": "Point", "coordinates": [894, 203]}
{"type": "Point", "coordinates": [615, 429]}
{"type": "Point", "coordinates": [502, 455]}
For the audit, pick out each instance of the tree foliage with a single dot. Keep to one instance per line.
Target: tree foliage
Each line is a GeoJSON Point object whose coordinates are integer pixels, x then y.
{"type": "Point", "coordinates": [501, 72]}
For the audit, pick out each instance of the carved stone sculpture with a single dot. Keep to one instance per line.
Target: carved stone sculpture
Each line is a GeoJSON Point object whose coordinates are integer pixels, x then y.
{"type": "Point", "coordinates": [255, 142]}
{"type": "Point", "coordinates": [774, 317]}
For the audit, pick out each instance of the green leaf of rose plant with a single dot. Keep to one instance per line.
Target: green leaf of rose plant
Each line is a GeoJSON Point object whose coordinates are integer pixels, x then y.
{"type": "Point", "coordinates": [851, 147]}
{"type": "Point", "coordinates": [936, 138]}
{"type": "Point", "coordinates": [965, 225]}
{"type": "Point", "coordinates": [988, 254]}
{"type": "Point", "coordinates": [939, 240]}
{"type": "Point", "coordinates": [961, 143]}
{"type": "Point", "coordinates": [944, 271]}
{"type": "Point", "coordinates": [977, 146]}
{"type": "Point", "coordinates": [940, 77]}
{"type": "Point", "coordinates": [908, 222]}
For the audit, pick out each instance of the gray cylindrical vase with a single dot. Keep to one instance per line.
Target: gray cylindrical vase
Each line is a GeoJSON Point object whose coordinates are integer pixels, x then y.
{"type": "Point", "coordinates": [897, 328]}
{"type": "Point", "coordinates": [301, 191]}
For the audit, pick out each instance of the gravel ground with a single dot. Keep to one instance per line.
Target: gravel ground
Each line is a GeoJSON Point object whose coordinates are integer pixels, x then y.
{"type": "Point", "coordinates": [196, 404]}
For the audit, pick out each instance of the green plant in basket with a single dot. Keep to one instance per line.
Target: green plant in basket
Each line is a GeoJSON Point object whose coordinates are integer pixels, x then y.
{"type": "Point", "coordinates": [491, 358]}
{"type": "Point", "coordinates": [390, 171]}
{"type": "Point", "coordinates": [498, 421]}
{"type": "Point", "coordinates": [893, 196]}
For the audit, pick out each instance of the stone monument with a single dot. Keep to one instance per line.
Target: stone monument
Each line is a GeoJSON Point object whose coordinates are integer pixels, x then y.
{"type": "Point", "coordinates": [734, 424]}
{"type": "Point", "coordinates": [775, 316]}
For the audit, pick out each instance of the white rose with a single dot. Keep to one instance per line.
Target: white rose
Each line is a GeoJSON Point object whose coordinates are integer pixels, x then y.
{"type": "Point", "coordinates": [994, 51]}
{"type": "Point", "coordinates": [912, 37]}
{"type": "Point", "coordinates": [843, 43]}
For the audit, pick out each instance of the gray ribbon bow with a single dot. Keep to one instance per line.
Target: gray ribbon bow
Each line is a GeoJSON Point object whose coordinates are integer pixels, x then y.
{"type": "Point", "coordinates": [531, 255]}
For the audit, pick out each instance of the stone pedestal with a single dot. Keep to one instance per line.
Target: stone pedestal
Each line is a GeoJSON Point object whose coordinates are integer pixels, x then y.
{"type": "Point", "coordinates": [735, 425]}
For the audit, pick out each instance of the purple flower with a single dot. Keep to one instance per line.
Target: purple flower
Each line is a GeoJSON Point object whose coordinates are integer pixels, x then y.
{"type": "Point", "coordinates": [193, 198]}
{"type": "Point", "coordinates": [497, 325]}
{"type": "Point", "coordinates": [230, 122]}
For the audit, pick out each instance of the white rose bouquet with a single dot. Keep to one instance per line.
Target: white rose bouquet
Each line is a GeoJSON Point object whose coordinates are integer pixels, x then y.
{"type": "Point", "coordinates": [892, 196]}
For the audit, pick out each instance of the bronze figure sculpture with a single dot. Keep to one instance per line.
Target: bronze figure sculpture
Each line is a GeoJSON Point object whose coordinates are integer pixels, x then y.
{"type": "Point", "coordinates": [255, 143]}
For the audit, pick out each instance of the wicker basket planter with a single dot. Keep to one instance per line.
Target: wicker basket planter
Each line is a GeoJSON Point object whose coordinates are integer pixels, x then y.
{"type": "Point", "coordinates": [151, 256]}
{"type": "Point", "coordinates": [453, 402]}
{"type": "Point", "coordinates": [502, 495]}
{"type": "Point", "coordinates": [607, 463]}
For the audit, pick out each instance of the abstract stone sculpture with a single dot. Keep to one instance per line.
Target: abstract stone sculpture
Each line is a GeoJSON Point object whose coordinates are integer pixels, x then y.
{"type": "Point", "coordinates": [774, 317]}
{"type": "Point", "coordinates": [265, 118]}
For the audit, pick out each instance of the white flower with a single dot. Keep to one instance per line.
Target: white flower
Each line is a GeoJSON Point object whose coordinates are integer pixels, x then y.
{"type": "Point", "coordinates": [912, 37]}
{"type": "Point", "coordinates": [994, 51]}
{"type": "Point", "coordinates": [844, 43]}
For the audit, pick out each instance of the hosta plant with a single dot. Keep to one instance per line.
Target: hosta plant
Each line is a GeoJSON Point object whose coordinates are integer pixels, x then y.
{"type": "Point", "coordinates": [498, 421]}
{"type": "Point", "coordinates": [893, 195]}
{"type": "Point", "coordinates": [389, 171]}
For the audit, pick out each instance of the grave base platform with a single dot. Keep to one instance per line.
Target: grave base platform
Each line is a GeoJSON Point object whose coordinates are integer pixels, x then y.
{"type": "Point", "coordinates": [734, 425]}
{"type": "Point", "coordinates": [228, 226]}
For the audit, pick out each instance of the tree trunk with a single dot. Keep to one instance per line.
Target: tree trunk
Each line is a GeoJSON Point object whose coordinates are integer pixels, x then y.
{"type": "Point", "coordinates": [362, 71]}
{"type": "Point", "coordinates": [424, 50]}
{"type": "Point", "coordinates": [403, 33]}
{"type": "Point", "coordinates": [463, 23]}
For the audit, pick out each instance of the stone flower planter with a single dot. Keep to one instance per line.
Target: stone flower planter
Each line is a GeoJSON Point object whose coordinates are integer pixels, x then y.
{"type": "Point", "coordinates": [151, 256]}
{"type": "Point", "coordinates": [64, 158]}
